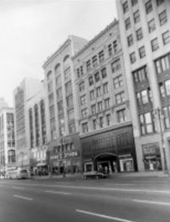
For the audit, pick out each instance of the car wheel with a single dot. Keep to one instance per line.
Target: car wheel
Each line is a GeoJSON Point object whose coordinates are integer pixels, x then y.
{"type": "Point", "coordinates": [97, 177]}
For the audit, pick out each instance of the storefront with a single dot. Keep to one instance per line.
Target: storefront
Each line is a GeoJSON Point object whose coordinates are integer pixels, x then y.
{"type": "Point", "coordinates": [63, 156]}
{"type": "Point", "coordinates": [111, 150]}
{"type": "Point", "coordinates": [152, 156]}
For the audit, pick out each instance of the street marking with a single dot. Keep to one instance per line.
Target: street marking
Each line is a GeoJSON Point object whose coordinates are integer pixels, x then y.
{"type": "Point", "coordinates": [19, 188]}
{"type": "Point", "coordinates": [57, 192]}
{"type": "Point", "coordinates": [24, 198]}
{"type": "Point", "coordinates": [103, 216]}
{"type": "Point", "coordinates": [152, 202]}
{"type": "Point", "coordinates": [125, 184]}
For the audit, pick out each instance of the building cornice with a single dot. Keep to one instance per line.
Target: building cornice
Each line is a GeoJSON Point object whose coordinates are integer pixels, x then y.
{"type": "Point", "coordinates": [98, 36]}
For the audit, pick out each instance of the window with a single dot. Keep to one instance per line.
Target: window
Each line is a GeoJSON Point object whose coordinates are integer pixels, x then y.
{"type": "Point", "coordinates": [116, 65]}
{"type": "Point", "coordinates": [104, 73]}
{"type": "Point", "coordinates": [139, 34]}
{"type": "Point", "coordinates": [49, 76]}
{"type": "Point", "coordinates": [88, 65]}
{"type": "Point", "coordinates": [105, 88]}
{"type": "Point", "coordinates": [167, 87]}
{"type": "Point", "coordinates": [94, 60]}
{"type": "Point", "coordinates": [78, 73]}
{"type": "Point", "coordinates": [121, 115]}
{"type": "Point", "coordinates": [142, 52]}
{"type": "Point", "coordinates": [127, 23]}
{"type": "Point", "coordinates": [118, 82]}
{"type": "Point", "coordinates": [92, 95]}
{"type": "Point", "coordinates": [69, 100]}
{"type": "Point", "coordinates": [61, 119]}
{"type": "Point", "coordinates": [110, 49]}
{"type": "Point", "coordinates": [83, 100]}
{"type": "Point", "coordinates": [108, 119]}
{"type": "Point", "coordinates": [166, 115]}
{"type": "Point", "coordinates": [100, 106]}
{"type": "Point", "coordinates": [101, 56]}
{"type": "Point", "coordinates": [51, 99]}
{"type": "Point", "coordinates": [154, 44]}
{"type": "Point", "coordinates": [50, 87]}
{"type": "Point", "coordinates": [107, 103]}
{"type": "Point", "coordinates": [162, 89]}
{"type": "Point", "coordinates": [134, 2]}
{"type": "Point", "coordinates": [136, 16]}
{"type": "Point", "coordinates": [91, 81]}
{"type": "Point", "coordinates": [68, 88]}
{"type": "Point", "coordinates": [98, 91]}
{"type": "Point", "coordinates": [93, 109]}
{"type": "Point", "coordinates": [57, 69]}
{"type": "Point", "coordinates": [60, 106]}
{"type": "Point", "coordinates": [130, 40]}
{"type": "Point", "coordinates": [163, 17]}
{"type": "Point", "coordinates": [159, 2]}
{"type": "Point", "coordinates": [162, 64]}
{"type": "Point", "coordinates": [101, 121]}
{"type": "Point", "coordinates": [166, 37]}
{"type": "Point", "coordinates": [67, 73]}
{"type": "Point", "coordinates": [132, 57]}
{"type": "Point", "coordinates": [140, 75]}
{"type": "Point", "coordinates": [147, 123]}
{"type": "Point", "coordinates": [125, 7]}
{"type": "Point", "coordinates": [120, 97]}
{"type": "Point", "coordinates": [148, 7]}
{"type": "Point", "coordinates": [84, 113]}
{"type": "Point", "coordinates": [81, 86]}
{"type": "Point", "coordinates": [71, 114]}
{"type": "Point", "coordinates": [72, 128]}
{"type": "Point", "coordinates": [97, 76]}
{"type": "Point", "coordinates": [59, 93]}
{"type": "Point", "coordinates": [115, 46]}
{"type": "Point", "coordinates": [58, 81]}
{"type": "Point", "coordinates": [94, 124]}
{"type": "Point", "coordinates": [66, 61]}
{"type": "Point", "coordinates": [84, 127]}
{"type": "Point", "coordinates": [81, 70]}
{"type": "Point", "coordinates": [151, 25]}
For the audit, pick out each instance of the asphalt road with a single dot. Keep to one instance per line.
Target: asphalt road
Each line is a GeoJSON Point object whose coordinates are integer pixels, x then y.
{"type": "Point", "coordinates": [119, 200]}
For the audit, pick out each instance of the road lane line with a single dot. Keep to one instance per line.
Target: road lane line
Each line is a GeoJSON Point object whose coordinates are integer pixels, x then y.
{"type": "Point", "coordinates": [152, 202]}
{"type": "Point", "coordinates": [22, 197]}
{"type": "Point", "coordinates": [125, 184]}
{"type": "Point", "coordinates": [57, 192]}
{"type": "Point", "coordinates": [103, 216]}
{"type": "Point", "coordinates": [19, 188]}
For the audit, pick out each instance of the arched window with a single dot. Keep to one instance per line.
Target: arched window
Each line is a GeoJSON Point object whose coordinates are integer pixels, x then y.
{"type": "Point", "coordinates": [66, 61]}
{"type": "Point", "coordinates": [57, 69]}
{"type": "Point", "coordinates": [49, 76]}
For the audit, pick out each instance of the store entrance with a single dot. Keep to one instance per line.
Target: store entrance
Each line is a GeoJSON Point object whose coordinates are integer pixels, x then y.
{"type": "Point", "coordinates": [106, 163]}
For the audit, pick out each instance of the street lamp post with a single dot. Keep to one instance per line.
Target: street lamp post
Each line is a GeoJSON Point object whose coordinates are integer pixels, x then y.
{"type": "Point", "coordinates": [158, 112]}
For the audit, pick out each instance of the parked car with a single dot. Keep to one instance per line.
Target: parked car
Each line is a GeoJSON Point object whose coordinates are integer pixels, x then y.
{"type": "Point", "coordinates": [94, 174]}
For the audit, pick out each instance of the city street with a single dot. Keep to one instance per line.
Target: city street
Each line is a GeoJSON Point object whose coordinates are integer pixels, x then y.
{"type": "Point", "coordinates": [126, 199]}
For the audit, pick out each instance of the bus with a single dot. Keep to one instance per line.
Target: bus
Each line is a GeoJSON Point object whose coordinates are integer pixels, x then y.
{"type": "Point", "coordinates": [17, 173]}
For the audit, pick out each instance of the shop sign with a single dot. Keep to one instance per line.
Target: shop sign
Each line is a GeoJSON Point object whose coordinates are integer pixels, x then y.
{"type": "Point", "coordinates": [152, 148]}
{"type": "Point", "coordinates": [64, 155]}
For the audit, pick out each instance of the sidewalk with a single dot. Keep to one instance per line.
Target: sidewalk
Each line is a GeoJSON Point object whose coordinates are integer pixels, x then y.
{"type": "Point", "coordinates": [114, 175]}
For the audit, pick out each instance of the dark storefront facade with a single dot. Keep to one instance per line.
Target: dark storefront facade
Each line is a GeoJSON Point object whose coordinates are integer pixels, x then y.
{"type": "Point", "coordinates": [112, 150]}
{"type": "Point", "coordinates": [63, 155]}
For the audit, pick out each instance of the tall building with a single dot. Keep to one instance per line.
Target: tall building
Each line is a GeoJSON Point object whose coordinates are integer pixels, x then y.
{"type": "Point", "coordinates": [7, 139]}
{"type": "Point", "coordinates": [145, 36]}
{"type": "Point", "coordinates": [22, 94]}
{"type": "Point", "coordinates": [36, 111]}
{"type": "Point", "coordinates": [105, 125]}
{"type": "Point", "coordinates": [63, 142]}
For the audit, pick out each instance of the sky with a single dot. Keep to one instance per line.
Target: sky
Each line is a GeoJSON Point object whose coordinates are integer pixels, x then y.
{"type": "Point", "coordinates": [32, 30]}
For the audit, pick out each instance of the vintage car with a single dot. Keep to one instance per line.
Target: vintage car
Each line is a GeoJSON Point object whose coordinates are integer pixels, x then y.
{"type": "Point", "coordinates": [94, 174]}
